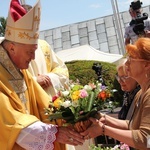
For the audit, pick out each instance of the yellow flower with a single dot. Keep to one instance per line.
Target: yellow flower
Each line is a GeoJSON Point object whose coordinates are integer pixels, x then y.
{"type": "Point", "coordinates": [75, 95]}
{"type": "Point", "coordinates": [57, 103]}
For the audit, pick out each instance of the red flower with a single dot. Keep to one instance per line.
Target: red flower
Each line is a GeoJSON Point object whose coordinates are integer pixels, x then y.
{"type": "Point", "coordinates": [102, 95]}
{"type": "Point", "coordinates": [54, 98]}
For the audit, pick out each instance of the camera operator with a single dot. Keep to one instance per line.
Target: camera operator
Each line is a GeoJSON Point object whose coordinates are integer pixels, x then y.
{"type": "Point", "coordinates": [97, 67]}
{"type": "Point", "coordinates": [139, 25]}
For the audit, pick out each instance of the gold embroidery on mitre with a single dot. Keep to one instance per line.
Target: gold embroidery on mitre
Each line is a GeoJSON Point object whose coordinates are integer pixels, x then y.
{"type": "Point", "coordinates": [23, 35]}
{"type": "Point", "coordinates": [8, 32]}
{"type": "Point", "coordinates": [37, 18]}
{"type": "Point", "coordinates": [36, 22]}
{"type": "Point", "coordinates": [27, 36]}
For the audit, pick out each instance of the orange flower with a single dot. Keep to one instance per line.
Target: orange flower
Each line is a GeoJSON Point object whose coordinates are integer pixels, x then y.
{"type": "Point", "coordinates": [108, 95]}
{"type": "Point", "coordinates": [102, 95]}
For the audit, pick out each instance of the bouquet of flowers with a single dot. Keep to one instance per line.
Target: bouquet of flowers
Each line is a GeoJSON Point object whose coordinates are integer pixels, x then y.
{"type": "Point", "coordinates": [121, 146]}
{"type": "Point", "coordinates": [77, 103]}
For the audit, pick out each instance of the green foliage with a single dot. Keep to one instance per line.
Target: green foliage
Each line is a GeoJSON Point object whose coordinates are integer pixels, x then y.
{"type": "Point", "coordinates": [2, 26]}
{"type": "Point", "coordinates": [83, 71]}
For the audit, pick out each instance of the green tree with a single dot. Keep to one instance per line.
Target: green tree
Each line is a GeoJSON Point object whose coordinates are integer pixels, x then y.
{"type": "Point", "coordinates": [2, 26]}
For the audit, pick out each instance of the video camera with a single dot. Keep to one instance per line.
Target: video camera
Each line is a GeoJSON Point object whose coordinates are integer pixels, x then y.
{"type": "Point", "coordinates": [97, 67]}
{"type": "Point", "coordinates": [139, 20]}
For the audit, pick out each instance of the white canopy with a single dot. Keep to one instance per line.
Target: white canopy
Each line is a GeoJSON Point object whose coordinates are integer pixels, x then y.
{"type": "Point", "coordinates": [86, 52]}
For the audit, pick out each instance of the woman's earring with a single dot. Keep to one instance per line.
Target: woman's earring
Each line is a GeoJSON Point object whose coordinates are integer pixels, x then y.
{"type": "Point", "coordinates": [146, 75]}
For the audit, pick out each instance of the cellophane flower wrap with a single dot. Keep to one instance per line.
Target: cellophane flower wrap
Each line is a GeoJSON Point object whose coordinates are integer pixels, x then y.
{"type": "Point", "coordinates": [77, 103]}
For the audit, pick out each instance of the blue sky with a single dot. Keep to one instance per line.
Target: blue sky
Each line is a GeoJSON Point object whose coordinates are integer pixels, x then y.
{"type": "Point", "coordinates": [57, 13]}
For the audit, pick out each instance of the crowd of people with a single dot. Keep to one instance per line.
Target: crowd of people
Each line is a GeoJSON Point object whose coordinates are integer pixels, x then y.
{"type": "Point", "coordinates": [31, 73]}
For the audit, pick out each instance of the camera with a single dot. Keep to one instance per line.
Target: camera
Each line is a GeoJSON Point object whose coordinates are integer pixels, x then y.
{"type": "Point", "coordinates": [139, 20]}
{"type": "Point", "coordinates": [97, 67]}
{"type": "Point", "coordinates": [136, 5]}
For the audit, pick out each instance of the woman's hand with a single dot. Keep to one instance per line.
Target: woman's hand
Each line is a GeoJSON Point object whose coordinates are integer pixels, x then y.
{"type": "Point", "coordinates": [94, 130]}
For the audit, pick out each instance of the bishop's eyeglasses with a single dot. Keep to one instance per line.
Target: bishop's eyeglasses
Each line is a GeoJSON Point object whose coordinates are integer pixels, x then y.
{"type": "Point", "coordinates": [121, 78]}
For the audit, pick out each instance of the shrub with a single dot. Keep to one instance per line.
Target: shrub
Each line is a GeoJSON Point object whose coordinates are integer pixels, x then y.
{"type": "Point", "coordinates": [83, 71]}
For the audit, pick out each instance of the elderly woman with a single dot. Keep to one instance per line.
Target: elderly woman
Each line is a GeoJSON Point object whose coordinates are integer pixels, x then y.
{"type": "Point", "coordinates": [130, 88]}
{"type": "Point", "coordinates": [136, 131]}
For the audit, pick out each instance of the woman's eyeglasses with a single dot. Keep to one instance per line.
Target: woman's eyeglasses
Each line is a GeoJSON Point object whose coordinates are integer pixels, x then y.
{"type": "Point", "coordinates": [121, 78]}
